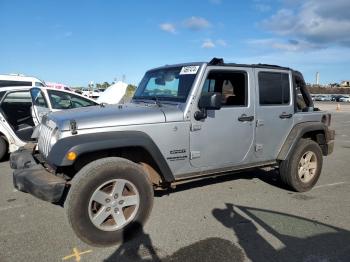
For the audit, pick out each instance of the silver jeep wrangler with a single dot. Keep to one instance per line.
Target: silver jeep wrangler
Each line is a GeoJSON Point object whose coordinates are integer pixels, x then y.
{"type": "Point", "coordinates": [185, 121]}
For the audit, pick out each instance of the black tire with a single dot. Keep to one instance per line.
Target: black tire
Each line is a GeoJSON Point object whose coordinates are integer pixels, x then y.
{"type": "Point", "coordinates": [3, 148]}
{"type": "Point", "coordinates": [289, 167]}
{"type": "Point", "coordinates": [90, 178]}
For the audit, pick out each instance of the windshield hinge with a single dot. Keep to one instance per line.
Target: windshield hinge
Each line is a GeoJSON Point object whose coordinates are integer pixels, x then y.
{"type": "Point", "coordinates": [73, 127]}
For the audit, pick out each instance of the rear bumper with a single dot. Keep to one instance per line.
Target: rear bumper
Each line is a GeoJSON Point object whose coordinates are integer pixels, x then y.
{"type": "Point", "coordinates": [34, 179]}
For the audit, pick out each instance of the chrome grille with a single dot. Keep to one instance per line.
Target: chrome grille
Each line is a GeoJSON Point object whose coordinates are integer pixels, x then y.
{"type": "Point", "coordinates": [44, 139]}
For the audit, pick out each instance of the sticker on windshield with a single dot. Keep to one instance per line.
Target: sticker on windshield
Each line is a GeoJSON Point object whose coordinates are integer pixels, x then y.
{"type": "Point", "coordinates": [189, 70]}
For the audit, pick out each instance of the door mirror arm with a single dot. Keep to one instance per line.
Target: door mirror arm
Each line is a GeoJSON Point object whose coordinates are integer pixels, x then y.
{"type": "Point", "coordinates": [202, 114]}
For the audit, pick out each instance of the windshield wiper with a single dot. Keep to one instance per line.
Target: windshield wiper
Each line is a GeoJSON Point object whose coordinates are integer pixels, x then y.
{"type": "Point", "coordinates": [156, 100]}
{"type": "Point", "coordinates": [153, 98]}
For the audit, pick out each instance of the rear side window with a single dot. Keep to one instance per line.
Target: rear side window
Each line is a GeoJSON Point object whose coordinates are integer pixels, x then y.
{"type": "Point", "coordinates": [274, 88]}
{"type": "Point", "coordinates": [4, 83]}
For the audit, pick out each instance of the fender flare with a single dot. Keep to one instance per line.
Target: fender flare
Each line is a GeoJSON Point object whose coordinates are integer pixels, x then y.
{"type": "Point", "coordinates": [88, 143]}
{"type": "Point", "coordinates": [297, 132]}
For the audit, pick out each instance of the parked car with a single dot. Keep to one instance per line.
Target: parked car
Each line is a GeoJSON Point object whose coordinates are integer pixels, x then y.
{"type": "Point", "coordinates": [19, 80]}
{"type": "Point", "coordinates": [323, 98]}
{"type": "Point", "coordinates": [344, 99]}
{"type": "Point", "coordinates": [92, 93]}
{"type": "Point", "coordinates": [19, 117]}
{"type": "Point", "coordinates": [184, 121]}
{"type": "Point", "coordinates": [337, 98]}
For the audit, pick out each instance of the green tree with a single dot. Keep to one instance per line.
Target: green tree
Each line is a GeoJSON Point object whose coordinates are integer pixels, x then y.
{"type": "Point", "coordinates": [130, 90]}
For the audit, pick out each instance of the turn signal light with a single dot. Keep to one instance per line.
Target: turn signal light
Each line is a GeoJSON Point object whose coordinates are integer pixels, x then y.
{"type": "Point", "coordinates": [71, 156]}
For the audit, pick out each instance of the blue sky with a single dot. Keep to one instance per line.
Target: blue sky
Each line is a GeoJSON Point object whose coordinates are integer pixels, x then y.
{"type": "Point", "coordinates": [75, 42]}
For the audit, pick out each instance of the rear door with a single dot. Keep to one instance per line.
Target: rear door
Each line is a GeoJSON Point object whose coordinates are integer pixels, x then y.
{"type": "Point", "coordinates": [40, 106]}
{"type": "Point", "coordinates": [274, 111]}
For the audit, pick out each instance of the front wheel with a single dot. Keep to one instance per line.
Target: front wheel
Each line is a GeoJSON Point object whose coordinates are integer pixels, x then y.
{"type": "Point", "coordinates": [302, 169]}
{"type": "Point", "coordinates": [109, 200]}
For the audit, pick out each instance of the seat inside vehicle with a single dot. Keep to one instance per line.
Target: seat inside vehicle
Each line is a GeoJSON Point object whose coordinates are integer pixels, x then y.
{"type": "Point", "coordinates": [16, 107]}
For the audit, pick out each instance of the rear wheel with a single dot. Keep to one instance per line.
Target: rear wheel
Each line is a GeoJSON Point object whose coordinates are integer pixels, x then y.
{"type": "Point", "coordinates": [302, 169]}
{"type": "Point", "coordinates": [3, 148]}
{"type": "Point", "coordinates": [109, 200]}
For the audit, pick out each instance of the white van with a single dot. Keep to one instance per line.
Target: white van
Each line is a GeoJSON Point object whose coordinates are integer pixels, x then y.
{"type": "Point", "coordinates": [20, 80]}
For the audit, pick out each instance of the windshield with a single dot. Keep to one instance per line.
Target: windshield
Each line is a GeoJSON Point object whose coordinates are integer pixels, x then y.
{"type": "Point", "coordinates": [171, 84]}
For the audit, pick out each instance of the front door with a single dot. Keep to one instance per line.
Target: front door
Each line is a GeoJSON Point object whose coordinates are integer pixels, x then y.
{"type": "Point", "coordinates": [40, 105]}
{"type": "Point", "coordinates": [274, 112]}
{"type": "Point", "coordinates": [226, 136]}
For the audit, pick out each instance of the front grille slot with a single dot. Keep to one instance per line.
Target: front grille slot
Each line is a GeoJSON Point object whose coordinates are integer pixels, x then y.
{"type": "Point", "coordinates": [44, 139]}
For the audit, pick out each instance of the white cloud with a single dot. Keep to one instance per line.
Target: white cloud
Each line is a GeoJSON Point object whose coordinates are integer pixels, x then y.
{"type": "Point", "coordinates": [208, 44]}
{"type": "Point", "coordinates": [291, 45]}
{"type": "Point", "coordinates": [168, 27]}
{"type": "Point", "coordinates": [196, 23]}
{"type": "Point", "coordinates": [319, 22]}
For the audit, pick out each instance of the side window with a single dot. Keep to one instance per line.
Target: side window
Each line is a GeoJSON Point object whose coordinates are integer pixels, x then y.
{"type": "Point", "coordinates": [4, 83]}
{"type": "Point", "coordinates": [17, 97]}
{"type": "Point", "coordinates": [274, 88]}
{"type": "Point", "coordinates": [38, 98]}
{"type": "Point", "coordinates": [233, 85]}
{"type": "Point", "coordinates": [63, 100]}
{"type": "Point", "coordinates": [38, 84]}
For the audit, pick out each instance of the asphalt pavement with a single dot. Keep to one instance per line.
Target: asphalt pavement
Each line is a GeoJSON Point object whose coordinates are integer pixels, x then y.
{"type": "Point", "coordinates": [237, 217]}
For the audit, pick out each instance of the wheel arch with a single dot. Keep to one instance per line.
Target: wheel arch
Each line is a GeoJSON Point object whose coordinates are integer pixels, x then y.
{"type": "Point", "coordinates": [315, 131]}
{"type": "Point", "coordinates": [133, 145]}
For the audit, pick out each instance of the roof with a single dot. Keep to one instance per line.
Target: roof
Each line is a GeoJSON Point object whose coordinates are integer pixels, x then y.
{"type": "Point", "coordinates": [220, 62]}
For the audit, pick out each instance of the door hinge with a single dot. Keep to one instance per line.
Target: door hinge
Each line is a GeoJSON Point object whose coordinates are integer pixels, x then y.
{"type": "Point", "coordinates": [259, 122]}
{"type": "Point", "coordinates": [195, 127]}
{"type": "Point", "coordinates": [195, 154]}
{"type": "Point", "coordinates": [258, 147]}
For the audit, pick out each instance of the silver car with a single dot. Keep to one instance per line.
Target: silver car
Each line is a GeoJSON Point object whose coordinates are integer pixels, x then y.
{"type": "Point", "coordinates": [184, 122]}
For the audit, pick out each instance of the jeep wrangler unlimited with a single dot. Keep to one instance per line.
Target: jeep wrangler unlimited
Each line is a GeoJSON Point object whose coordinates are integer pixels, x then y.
{"type": "Point", "coordinates": [185, 121]}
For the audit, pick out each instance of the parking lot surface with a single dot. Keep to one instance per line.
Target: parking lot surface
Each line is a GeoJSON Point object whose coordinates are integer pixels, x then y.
{"type": "Point", "coordinates": [237, 217]}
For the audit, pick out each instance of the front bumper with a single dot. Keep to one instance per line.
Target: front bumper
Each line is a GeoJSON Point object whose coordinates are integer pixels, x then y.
{"type": "Point", "coordinates": [330, 136]}
{"type": "Point", "coordinates": [33, 178]}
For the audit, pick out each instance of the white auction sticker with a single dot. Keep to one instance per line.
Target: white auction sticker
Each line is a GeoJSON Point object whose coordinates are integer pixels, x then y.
{"type": "Point", "coordinates": [189, 70]}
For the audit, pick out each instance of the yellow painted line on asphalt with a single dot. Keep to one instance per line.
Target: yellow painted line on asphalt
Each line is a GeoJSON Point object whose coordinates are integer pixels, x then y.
{"type": "Point", "coordinates": [76, 254]}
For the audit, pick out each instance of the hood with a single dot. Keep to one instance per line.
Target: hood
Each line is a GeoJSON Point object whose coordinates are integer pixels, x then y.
{"type": "Point", "coordinates": [115, 115]}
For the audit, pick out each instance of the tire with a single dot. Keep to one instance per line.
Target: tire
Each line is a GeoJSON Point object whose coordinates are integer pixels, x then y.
{"type": "Point", "coordinates": [291, 171]}
{"type": "Point", "coordinates": [81, 207]}
{"type": "Point", "coordinates": [3, 148]}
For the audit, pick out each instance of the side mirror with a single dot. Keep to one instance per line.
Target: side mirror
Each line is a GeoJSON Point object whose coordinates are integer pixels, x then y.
{"type": "Point", "coordinates": [208, 101]}
{"type": "Point", "coordinates": [211, 101]}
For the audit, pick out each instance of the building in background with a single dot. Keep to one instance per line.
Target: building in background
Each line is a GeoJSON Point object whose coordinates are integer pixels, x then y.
{"type": "Point", "coordinates": [345, 83]}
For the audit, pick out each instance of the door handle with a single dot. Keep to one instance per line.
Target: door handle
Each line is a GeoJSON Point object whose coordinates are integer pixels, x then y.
{"type": "Point", "coordinates": [284, 115]}
{"type": "Point", "coordinates": [245, 118]}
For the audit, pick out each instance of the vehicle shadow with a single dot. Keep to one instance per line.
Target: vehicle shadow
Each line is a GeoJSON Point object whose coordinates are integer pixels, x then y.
{"type": "Point", "coordinates": [136, 246]}
{"type": "Point", "coordinates": [270, 177]}
{"type": "Point", "coordinates": [141, 249]}
{"type": "Point", "coordinates": [272, 236]}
